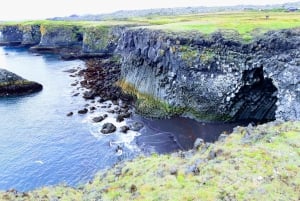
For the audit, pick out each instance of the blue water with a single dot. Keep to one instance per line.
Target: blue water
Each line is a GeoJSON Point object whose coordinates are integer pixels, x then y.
{"type": "Point", "coordinates": [39, 144]}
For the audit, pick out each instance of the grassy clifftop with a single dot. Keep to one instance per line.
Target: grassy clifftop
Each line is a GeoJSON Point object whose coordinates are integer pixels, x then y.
{"type": "Point", "coordinates": [252, 163]}
{"type": "Point", "coordinates": [247, 24]}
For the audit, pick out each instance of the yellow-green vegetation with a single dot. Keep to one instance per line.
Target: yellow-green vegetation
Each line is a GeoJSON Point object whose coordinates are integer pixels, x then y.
{"type": "Point", "coordinates": [150, 106]}
{"type": "Point", "coordinates": [252, 163]}
{"type": "Point", "coordinates": [97, 37]}
{"type": "Point", "coordinates": [247, 24]}
{"type": "Point", "coordinates": [15, 83]}
{"type": "Point", "coordinates": [147, 104]}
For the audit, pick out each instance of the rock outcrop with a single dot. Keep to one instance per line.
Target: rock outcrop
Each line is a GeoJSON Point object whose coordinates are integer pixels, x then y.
{"type": "Point", "coordinates": [25, 35]}
{"type": "Point", "coordinates": [213, 78]}
{"type": "Point", "coordinates": [14, 85]}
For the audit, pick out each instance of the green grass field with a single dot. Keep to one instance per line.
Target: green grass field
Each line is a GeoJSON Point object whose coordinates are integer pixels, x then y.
{"type": "Point", "coordinates": [247, 24]}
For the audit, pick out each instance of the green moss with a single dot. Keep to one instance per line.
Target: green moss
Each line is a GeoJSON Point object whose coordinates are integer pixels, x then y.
{"type": "Point", "coordinates": [97, 37]}
{"type": "Point", "coordinates": [148, 105]}
{"type": "Point", "coordinates": [188, 53]}
{"type": "Point", "coordinates": [207, 55]}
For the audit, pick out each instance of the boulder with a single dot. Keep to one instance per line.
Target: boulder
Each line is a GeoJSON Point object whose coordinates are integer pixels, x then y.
{"type": "Point", "coordinates": [108, 128]}
{"type": "Point", "coordinates": [14, 85]}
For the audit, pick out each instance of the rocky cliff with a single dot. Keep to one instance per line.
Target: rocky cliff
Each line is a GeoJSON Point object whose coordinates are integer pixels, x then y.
{"type": "Point", "coordinates": [215, 77]}
{"type": "Point", "coordinates": [21, 35]}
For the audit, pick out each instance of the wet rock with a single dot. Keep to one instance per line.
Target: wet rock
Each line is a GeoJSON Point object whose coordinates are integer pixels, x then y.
{"type": "Point", "coordinates": [136, 126]}
{"type": "Point", "coordinates": [76, 94]}
{"type": "Point", "coordinates": [93, 108]}
{"type": "Point", "coordinates": [70, 70]}
{"type": "Point", "coordinates": [108, 128]}
{"type": "Point", "coordinates": [70, 114]}
{"type": "Point", "coordinates": [124, 129]}
{"type": "Point", "coordinates": [89, 95]}
{"type": "Point", "coordinates": [83, 111]}
{"type": "Point", "coordinates": [120, 118]}
{"type": "Point", "coordinates": [126, 114]}
{"type": "Point", "coordinates": [98, 119]}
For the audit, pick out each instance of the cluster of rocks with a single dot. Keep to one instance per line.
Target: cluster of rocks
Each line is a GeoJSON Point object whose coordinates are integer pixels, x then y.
{"type": "Point", "coordinates": [98, 80]}
{"type": "Point", "coordinates": [14, 85]}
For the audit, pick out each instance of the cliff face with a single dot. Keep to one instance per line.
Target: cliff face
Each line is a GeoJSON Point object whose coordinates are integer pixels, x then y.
{"type": "Point", "coordinates": [214, 78]}
{"type": "Point", "coordinates": [24, 35]}
{"type": "Point", "coordinates": [101, 39]}
{"type": "Point", "coordinates": [60, 36]}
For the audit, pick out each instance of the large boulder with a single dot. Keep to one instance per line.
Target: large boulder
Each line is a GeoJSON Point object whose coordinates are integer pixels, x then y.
{"type": "Point", "coordinates": [12, 84]}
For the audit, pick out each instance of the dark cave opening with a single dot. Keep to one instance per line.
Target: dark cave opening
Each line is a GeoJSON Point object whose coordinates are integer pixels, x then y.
{"type": "Point", "coordinates": [256, 99]}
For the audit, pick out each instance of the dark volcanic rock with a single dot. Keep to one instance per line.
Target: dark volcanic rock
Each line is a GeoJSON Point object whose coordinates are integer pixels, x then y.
{"type": "Point", "coordinates": [83, 111]}
{"type": "Point", "coordinates": [100, 77]}
{"type": "Point", "coordinates": [98, 119]}
{"type": "Point", "coordinates": [124, 129]}
{"type": "Point", "coordinates": [12, 84]}
{"type": "Point", "coordinates": [70, 114]}
{"type": "Point", "coordinates": [213, 78]}
{"type": "Point", "coordinates": [108, 128]}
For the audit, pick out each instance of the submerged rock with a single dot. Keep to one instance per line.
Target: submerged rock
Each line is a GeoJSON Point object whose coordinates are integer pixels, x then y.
{"type": "Point", "coordinates": [14, 85]}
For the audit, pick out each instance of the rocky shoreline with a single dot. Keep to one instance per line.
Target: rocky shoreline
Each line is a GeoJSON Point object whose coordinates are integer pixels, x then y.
{"type": "Point", "coordinates": [251, 163]}
{"type": "Point", "coordinates": [14, 85]}
{"type": "Point", "coordinates": [102, 94]}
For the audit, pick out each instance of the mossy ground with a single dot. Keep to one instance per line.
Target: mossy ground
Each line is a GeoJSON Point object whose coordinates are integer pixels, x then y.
{"type": "Point", "coordinates": [252, 163]}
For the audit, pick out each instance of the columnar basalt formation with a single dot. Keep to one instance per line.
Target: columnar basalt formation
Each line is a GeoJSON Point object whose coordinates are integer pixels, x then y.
{"type": "Point", "coordinates": [215, 77]}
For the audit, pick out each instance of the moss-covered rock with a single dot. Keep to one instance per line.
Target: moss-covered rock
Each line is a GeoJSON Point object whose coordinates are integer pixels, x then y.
{"type": "Point", "coordinates": [148, 105]}
{"type": "Point", "coordinates": [12, 84]}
